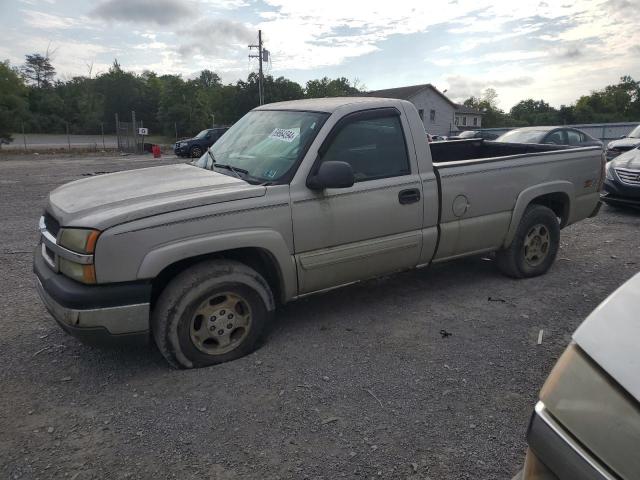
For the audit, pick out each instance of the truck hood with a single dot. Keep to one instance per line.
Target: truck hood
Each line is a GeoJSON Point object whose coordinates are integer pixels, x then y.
{"type": "Point", "coordinates": [626, 142]}
{"type": "Point", "coordinates": [107, 200]}
{"type": "Point", "coordinates": [611, 336]}
{"type": "Point", "coordinates": [629, 159]}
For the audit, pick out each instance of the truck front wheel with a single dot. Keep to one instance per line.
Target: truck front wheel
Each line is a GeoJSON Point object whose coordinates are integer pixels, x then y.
{"type": "Point", "coordinates": [534, 246]}
{"type": "Point", "coordinates": [213, 312]}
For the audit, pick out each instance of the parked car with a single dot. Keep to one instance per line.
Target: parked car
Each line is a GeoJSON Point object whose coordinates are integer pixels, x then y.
{"type": "Point", "coordinates": [550, 135]}
{"type": "Point", "coordinates": [438, 138]}
{"type": "Point", "coordinates": [467, 134]}
{"type": "Point", "coordinates": [624, 143]}
{"type": "Point", "coordinates": [622, 182]}
{"type": "Point", "coordinates": [196, 146]}
{"type": "Point", "coordinates": [586, 424]}
{"type": "Point", "coordinates": [296, 198]}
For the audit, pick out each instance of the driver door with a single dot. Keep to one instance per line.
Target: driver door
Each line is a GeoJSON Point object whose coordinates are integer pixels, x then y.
{"type": "Point", "coordinates": [374, 227]}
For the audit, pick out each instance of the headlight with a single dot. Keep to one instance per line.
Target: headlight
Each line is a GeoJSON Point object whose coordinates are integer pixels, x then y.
{"type": "Point", "coordinates": [79, 240]}
{"type": "Point", "coordinates": [83, 241]}
{"type": "Point", "coordinates": [609, 171]}
{"type": "Point", "coordinates": [76, 271]}
{"type": "Point", "coordinates": [595, 410]}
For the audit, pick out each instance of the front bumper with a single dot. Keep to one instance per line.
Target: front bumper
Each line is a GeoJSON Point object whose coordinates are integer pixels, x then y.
{"type": "Point", "coordinates": [181, 151]}
{"type": "Point", "coordinates": [617, 193]}
{"type": "Point", "coordinates": [94, 313]}
{"type": "Point", "coordinates": [556, 455]}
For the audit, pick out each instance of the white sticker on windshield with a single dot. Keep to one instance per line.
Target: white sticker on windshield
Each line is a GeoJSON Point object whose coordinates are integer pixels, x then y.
{"type": "Point", "coordinates": [285, 134]}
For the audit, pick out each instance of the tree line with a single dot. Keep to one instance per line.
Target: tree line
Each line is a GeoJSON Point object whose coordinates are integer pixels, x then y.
{"type": "Point", "coordinates": [32, 98]}
{"type": "Point", "coordinates": [614, 103]}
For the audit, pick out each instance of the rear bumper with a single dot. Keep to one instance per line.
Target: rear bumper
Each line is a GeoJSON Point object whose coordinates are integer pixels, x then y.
{"type": "Point", "coordinates": [94, 313]}
{"type": "Point", "coordinates": [555, 455]}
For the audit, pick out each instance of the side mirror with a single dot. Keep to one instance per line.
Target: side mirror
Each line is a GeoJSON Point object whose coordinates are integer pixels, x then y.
{"type": "Point", "coordinates": [623, 136]}
{"type": "Point", "coordinates": [332, 175]}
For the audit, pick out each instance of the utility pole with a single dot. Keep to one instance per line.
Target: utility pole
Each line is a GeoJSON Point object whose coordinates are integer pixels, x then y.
{"type": "Point", "coordinates": [261, 55]}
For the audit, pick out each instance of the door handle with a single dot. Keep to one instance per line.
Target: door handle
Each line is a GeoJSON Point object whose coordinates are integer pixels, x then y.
{"type": "Point", "coordinates": [411, 195]}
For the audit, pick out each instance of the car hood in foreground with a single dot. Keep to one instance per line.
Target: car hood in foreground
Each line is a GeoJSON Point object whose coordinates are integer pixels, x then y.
{"type": "Point", "coordinates": [611, 336]}
{"type": "Point", "coordinates": [629, 159]}
{"type": "Point", "coordinates": [624, 143]}
{"type": "Point", "coordinates": [106, 200]}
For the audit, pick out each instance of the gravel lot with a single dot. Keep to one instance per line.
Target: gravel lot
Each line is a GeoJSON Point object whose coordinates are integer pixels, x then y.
{"type": "Point", "coordinates": [355, 383]}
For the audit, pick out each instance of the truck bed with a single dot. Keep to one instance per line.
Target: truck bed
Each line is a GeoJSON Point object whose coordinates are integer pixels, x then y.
{"type": "Point", "coordinates": [478, 149]}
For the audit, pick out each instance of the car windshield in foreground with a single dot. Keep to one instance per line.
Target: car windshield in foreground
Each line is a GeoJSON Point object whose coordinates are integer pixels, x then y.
{"type": "Point", "coordinates": [265, 144]}
{"type": "Point", "coordinates": [635, 133]}
{"type": "Point", "coordinates": [522, 136]}
{"type": "Point", "coordinates": [202, 134]}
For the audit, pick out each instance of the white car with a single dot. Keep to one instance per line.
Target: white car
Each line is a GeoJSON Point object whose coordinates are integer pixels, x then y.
{"type": "Point", "coordinates": [586, 424]}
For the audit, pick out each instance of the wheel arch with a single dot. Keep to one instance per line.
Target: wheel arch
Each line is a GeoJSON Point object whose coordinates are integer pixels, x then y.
{"type": "Point", "coordinates": [554, 195]}
{"type": "Point", "coordinates": [264, 251]}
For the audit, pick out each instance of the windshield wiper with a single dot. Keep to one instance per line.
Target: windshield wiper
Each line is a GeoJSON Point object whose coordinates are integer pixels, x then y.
{"type": "Point", "coordinates": [235, 170]}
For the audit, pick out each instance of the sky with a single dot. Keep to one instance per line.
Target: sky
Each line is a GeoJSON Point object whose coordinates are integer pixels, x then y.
{"type": "Point", "coordinates": [556, 50]}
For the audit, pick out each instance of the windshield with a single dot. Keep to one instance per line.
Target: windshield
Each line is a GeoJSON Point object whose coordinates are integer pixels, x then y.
{"type": "Point", "coordinates": [202, 134]}
{"type": "Point", "coordinates": [522, 136]}
{"type": "Point", "coordinates": [635, 133]}
{"type": "Point", "coordinates": [265, 143]}
{"type": "Point", "coordinates": [468, 134]}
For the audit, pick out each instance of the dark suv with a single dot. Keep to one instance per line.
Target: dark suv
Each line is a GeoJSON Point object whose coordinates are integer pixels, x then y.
{"type": "Point", "coordinates": [196, 146]}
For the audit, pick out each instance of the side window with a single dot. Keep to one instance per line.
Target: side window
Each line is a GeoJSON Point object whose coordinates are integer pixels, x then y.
{"type": "Point", "coordinates": [432, 115]}
{"type": "Point", "coordinates": [375, 148]}
{"type": "Point", "coordinates": [555, 137]}
{"type": "Point", "coordinates": [573, 137]}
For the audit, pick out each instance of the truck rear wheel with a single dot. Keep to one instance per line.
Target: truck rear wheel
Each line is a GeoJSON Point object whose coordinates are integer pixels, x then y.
{"type": "Point", "coordinates": [534, 246]}
{"type": "Point", "coordinates": [211, 313]}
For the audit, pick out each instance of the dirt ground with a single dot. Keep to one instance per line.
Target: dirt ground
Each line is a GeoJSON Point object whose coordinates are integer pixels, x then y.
{"type": "Point", "coordinates": [355, 383]}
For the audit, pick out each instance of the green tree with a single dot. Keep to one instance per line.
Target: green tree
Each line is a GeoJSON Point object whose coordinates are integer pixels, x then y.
{"type": "Point", "coordinates": [535, 112]}
{"type": "Point", "coordinates": [13, 100]}
{"type": "Point", "coordinates": [37, 69]}
{"type": "Point", "coordinates": [325, 87]}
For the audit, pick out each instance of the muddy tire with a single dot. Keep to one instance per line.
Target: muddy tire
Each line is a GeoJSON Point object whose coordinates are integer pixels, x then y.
{"type": "Point", "coordinates": [213, 312]}
{"type": "Point", "coordinates": [534, 246]}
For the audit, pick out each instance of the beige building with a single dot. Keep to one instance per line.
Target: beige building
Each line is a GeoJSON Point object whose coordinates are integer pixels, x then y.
{"type": "Point", "coordinates": [467, 118]}
{"type": "Point", "coordinates": [435, 109]}
{"type": "Point", "coordinates": [439, 115]}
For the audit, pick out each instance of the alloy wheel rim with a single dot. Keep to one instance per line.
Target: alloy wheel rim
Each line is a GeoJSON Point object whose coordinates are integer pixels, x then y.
{"type": "Point", "coordinates": [536, 245]}
{"type": "Point", "coordinates": [220, 323]}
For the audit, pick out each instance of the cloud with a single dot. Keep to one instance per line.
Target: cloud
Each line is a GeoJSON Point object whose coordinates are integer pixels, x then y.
{"type": "Point", "coordinates": [41, 20]}
{"type": "Point", "coordinates": [462, 87]}
{"type": "Point", "coordinates": [160, 12]}
{"type": "Point", "coordinates": [210, 38]}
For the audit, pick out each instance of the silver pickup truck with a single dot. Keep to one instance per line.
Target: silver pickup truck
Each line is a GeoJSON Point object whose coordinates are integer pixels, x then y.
{"type": "Point", "coordinates": [296, 198]}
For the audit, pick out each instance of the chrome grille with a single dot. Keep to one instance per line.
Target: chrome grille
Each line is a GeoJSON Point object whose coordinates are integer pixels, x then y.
{"type": "Point", "coordinates": [630, 177]}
